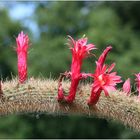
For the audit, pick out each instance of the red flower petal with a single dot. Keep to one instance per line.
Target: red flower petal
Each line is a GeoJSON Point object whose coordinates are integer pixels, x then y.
{"type": "Point", "coordinates": [127, 86]}
{"type": "Point", "coordinates": [102, 58]}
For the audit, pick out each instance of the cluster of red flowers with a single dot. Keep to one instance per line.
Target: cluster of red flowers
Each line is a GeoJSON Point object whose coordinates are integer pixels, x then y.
{"type": "Point", "coordinates": [103, 78]}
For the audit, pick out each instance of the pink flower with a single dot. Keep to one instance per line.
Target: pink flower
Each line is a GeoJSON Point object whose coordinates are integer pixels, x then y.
{"type": "Point", "coordinates": [80, 50]}
{"type": "Point", "coordinates": [138, 83]}
{"type": "Point", "coordinates": [22, 47]}
{"type": "Point", "coordinates": [104, 79]}
{"type": "Point", "coordinates": [127, 86]}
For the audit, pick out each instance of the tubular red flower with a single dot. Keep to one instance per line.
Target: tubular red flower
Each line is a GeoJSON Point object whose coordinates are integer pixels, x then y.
{"type": "Point", "coordinates": [127, 86]}
{"type": "Point", "coordinates": [22, 47]}
{"type": "Point", "coordinates": [80, 50]}
{"type": "Point", "coordinates": [138, 83]}
{"type": "Point", "coordinates": [104, 79]}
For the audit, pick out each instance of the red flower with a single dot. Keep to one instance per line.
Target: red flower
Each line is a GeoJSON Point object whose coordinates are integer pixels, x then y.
{"type": "Point", "coordinates": [138, 83]}
{"type": "Point", "coordinates": [104, 79]}
{"type": "Point", "coordinates": [79, 52]}
{"type": "Point", "coordinates": [22, 47]}
{"type": "Point", "coordinates": [127, 86]}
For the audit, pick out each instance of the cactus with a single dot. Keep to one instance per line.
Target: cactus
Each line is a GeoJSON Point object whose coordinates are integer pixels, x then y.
{"type": "Point", "coordinates": [22, 95]}
{"type": "Point", "coordinates": [38, 95]}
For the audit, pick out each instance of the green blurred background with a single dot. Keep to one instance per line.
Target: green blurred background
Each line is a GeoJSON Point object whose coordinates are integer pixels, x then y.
{"type": "Point", "coordinates": [48, 24]}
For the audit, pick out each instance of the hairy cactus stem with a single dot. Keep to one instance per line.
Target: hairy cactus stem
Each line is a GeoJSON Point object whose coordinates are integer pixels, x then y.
{"type": "Point", "coordinates": [41, 96]}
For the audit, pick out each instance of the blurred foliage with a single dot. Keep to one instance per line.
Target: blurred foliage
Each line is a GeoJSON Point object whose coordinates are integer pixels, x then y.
{"type": "Point", "coordinates": [8, 28]}
{"type": "Point", "coordinates": [104, 23]}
